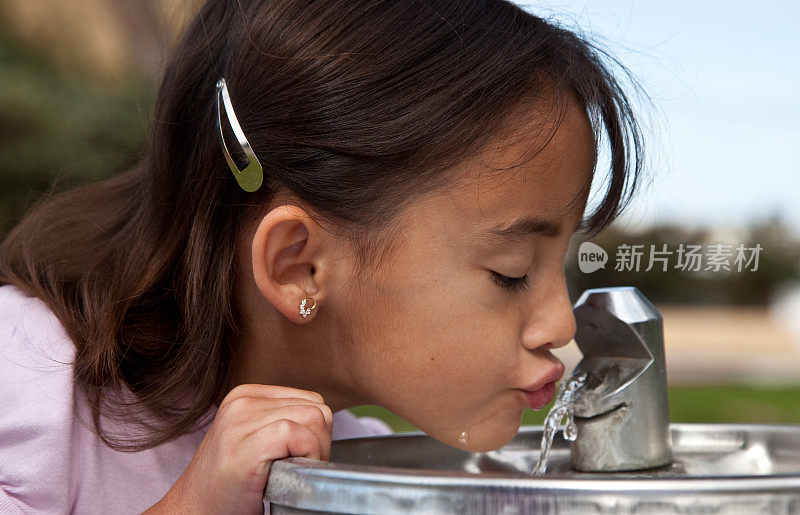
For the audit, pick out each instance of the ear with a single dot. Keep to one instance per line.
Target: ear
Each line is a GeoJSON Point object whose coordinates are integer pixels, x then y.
{"type": "Point", "coordinates": [286, 260]}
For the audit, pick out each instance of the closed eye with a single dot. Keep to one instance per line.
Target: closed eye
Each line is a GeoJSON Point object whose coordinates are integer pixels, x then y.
{"type": "Point", "coordinates": [510, 284]}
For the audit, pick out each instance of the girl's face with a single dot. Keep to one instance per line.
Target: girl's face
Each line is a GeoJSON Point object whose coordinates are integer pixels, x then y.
{"type": "Point", "coordinates": [440, 331]}
{"type": "Point", "coordinates": [435, 334]}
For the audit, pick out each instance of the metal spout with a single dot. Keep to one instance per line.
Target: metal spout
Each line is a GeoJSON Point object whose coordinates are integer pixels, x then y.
{"type": "Point", "coordinates": [622, 413]}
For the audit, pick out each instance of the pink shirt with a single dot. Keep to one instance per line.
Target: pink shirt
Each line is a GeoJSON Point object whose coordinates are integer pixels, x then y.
{"type": "Point", "coordinates": [49, 461]}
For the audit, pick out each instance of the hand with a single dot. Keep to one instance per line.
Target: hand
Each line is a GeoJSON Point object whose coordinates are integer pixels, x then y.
{"type": "Point", "coordinates": [254, 425]}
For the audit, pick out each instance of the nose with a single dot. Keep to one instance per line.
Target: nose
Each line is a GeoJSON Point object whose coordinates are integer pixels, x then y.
{"type": "Point", "coordinates": [552, 322]}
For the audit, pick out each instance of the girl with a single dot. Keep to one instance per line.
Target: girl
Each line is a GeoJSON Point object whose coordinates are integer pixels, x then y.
{"type": "Point", "coordinates": [341, 203]}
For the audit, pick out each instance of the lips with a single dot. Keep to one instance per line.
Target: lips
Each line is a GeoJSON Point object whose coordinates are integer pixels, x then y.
{"type": "Point", "coordinates": [539, 394]}
{"type": "Point", "coordinates": [540, 398]}
{"type": "Point", "coordinates": [552, 375]}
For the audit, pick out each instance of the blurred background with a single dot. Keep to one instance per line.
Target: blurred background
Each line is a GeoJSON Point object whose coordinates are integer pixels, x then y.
{"type": "Point", "coordinates": [722, 123]}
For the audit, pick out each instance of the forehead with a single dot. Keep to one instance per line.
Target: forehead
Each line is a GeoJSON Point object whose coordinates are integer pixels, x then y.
{"type": "Point", "coordinates": [541, 166]}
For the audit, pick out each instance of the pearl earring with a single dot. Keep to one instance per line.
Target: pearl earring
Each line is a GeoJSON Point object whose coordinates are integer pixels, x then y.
{"type": "Point", "coordinates": [307, 311]}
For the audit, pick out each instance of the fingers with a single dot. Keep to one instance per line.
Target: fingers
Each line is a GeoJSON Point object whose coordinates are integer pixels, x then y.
{"type": "Point", "coordinates": [248, 409]}
{"type": "Point", "coordinates": [270, 391]}
{"type": "Point", "coordinates": [282, 395]}
{"type": "Point", "coordinates": [279, 439]}
{"type": "Point", "coordinates": [316, 417]}
{"type": "Point", "coordinates": [247, 414]}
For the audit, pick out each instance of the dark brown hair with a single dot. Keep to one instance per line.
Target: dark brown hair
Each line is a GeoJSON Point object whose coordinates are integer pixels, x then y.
{"type": "Point", "coordinates": [355, 107]}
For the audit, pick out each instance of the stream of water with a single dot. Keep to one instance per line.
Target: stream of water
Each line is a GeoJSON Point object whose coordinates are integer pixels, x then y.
{"type": "Point", "coordinates": [567, 389]}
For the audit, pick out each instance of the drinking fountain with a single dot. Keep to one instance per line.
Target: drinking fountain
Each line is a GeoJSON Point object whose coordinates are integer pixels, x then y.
{"type": "Point", "coordinates": [626, 458]}
{"type": "Point", "coordinates": [622, 414]}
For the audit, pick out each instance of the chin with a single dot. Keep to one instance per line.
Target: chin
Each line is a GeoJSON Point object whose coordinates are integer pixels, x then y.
{"type": "Point", "coordinates": [487, 439]}
{"type": "Point", "coordinates": [487, 445]}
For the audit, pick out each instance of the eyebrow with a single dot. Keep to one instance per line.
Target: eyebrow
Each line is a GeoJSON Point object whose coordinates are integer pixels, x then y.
{"type": "Point", "coordinates": [523, 227]}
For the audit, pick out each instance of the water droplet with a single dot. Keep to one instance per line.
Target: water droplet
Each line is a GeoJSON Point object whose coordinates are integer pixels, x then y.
{"type": "Point", "coordinates": [571, 430]}
{"type": "Point", "coordinates": [463, 438]}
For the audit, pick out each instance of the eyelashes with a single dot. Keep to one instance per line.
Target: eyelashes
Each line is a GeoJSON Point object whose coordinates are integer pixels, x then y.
{"type": "Point", "coordinates": [510, 284]}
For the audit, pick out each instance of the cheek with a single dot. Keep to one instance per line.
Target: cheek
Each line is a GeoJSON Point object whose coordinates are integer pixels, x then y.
{"type": "Point", "coordinates": [447, 365]}
{"type": "Point", "coordinates": [439, 346]}
{"type": "Point", "coordinates": [437, 336]}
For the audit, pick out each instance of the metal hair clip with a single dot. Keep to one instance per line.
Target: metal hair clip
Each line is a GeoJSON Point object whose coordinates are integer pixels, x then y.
{"type": "Point", "coordinates": [252, 176]}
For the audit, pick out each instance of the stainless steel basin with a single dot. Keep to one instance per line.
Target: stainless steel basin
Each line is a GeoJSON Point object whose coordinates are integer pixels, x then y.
{"type": "Point", "coordinates": [717, 468]}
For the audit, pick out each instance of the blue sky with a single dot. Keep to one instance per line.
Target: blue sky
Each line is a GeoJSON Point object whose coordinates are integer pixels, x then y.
{"type": "Point", "coordinates": [724, 138]}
